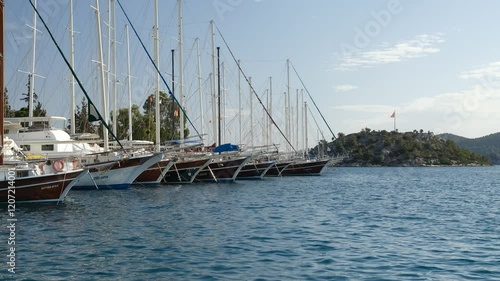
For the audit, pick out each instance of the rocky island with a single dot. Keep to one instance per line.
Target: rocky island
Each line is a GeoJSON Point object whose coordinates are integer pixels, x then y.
{"type": "Point", "coordinates": [383, 148]}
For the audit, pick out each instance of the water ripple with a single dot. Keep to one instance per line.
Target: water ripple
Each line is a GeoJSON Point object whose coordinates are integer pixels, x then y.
{"type": "Point", "coordinates": [350, 224]}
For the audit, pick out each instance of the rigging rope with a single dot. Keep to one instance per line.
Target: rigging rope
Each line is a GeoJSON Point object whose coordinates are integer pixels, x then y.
{"type": "Point", "coordinates": [307, 91]}
{"type": "Point", "coordinates": [74, 75]}
{"type": "Point", "coordinates": [156, 67]}
{"type": "Point", "coordinates": [253, 90]}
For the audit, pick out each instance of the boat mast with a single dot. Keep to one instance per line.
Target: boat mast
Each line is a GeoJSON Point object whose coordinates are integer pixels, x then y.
{"type": "Point", "coordinates": [218, 96]}
{"type": "Point", "coordinates": [2, 88]}
{"type": "Point", "coordinates": [270, 110]}
{"type": "Point", "coordinates": [72, 63]}
{"type": "Point", "coordinates": [157, 91]}
{"type": "Point", "coordinates": [32, 74]}
{"type": "Point", "coordinates": [305, 128]}
{"type": "Point", "coordinates": [297, 119]}
{"type": "Point", "coordinates": [101, 68]}
{"type": "Point", "coordinates": [181, 70]}
{"type": "Point", "coordinates": [251, 111]}
{"type": "Point", "coordinates": [223, 98]}
{"type": "Point", "coordinates": [130, 137]}
{"type": "Point", "coordinates": [200, 91]}
{"type": "Point", "coordinates": [287, 101]}
{"type": "Point", "coordinates": [113, 65]}
{"type": "Point", "coordinates": [172, 51]}
{"type": "Point", "coordinates": [302, 120]}
{"type": "Point", "coordinates": [266, 121]}
{"type": "Point", "coordinates": [239, 99]}
{"type": "Point", "coordinates": [214, 111]}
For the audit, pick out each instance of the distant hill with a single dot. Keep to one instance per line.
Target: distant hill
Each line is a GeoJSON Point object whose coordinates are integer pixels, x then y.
{"type": "Point", "coordinates": [488, 146]}
{"type": "Point", "coordinates": [382, 148]}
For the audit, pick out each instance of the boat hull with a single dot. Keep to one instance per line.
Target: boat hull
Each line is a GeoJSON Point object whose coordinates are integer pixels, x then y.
{"type": "Point", "coordinates": [39, 189]}
{"type": "Point", "coordinates": [276, 169]}
{"type": "Point", "coordinates": [185, 171]}
{"type": "Point", "coordinates": [254, 171]}
{"type": "Point", "coordinates": [155, 173]}
{"type": "Point", "coordinates": [116, 175]}
{"type": "Point", "coordinates": [222, 171]}
{"type": "Point", "coordinates": [312, 168]}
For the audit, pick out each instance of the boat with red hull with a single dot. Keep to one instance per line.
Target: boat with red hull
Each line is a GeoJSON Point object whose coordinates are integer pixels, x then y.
{"type": "Point", "coordinates": [305, 168]}
{"type": "Point", "coordinates": [254, 170]}
{"type": "Point", "coordinates": [276, 169]}
{"type": "Point", "coordinates": [156, 173]}
{"type": "Point", "coordinates": [185, 170]}
{"type": "Point", "coordinates": [222, 170]}
{"type": "Point", "coordinates": [19, 185]}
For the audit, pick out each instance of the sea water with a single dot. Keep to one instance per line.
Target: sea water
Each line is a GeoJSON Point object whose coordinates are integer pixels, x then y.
{"type": "Point", "coordinates": [348, 224]}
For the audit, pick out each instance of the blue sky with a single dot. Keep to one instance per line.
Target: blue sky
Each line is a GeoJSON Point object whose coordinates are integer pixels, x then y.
{"type": "Point", "coordinates": [436, 63]}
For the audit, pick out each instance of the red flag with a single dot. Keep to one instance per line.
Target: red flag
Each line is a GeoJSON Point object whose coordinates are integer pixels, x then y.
{"type": "Point", "coordinates": [393, 114]}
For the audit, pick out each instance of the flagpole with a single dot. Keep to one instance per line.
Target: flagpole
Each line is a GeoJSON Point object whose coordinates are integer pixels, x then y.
{"type": "Point", "coordinates": [393, 115]}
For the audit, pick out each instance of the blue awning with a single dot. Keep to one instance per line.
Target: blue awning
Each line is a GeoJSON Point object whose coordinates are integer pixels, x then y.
{"type": "Point", "coordinates": [226, 147]}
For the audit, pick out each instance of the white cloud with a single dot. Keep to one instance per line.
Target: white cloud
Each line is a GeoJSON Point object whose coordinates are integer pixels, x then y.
{"type": "Point", "coordinates": [371, 108]}
{"type": "Point", "coordinates": [469, 113]}
{"type": "Point", "coordinates": [345, 88]}
{"type": "Point", "coordinates": [491, 70]}
{"type": "Point", "coordinates": [420, 46]}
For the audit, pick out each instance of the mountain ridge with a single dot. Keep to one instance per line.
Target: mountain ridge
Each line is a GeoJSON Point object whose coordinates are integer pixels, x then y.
{"type": "Point", "coordinates": [488, 146]}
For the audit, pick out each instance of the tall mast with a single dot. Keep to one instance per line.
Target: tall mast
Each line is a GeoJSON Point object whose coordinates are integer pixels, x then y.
{"type": "Point", "coordinates": [32, 74]}
{"type": "Point", "coordinates": [129, 77]}
{"type": "Point", "coordinates": [223, 100]}
{"type": "Point", "coordinates": [72, 63]}
{"type": "Point", "coordinates": [287, 101]}
{"type": "Point", "coordinates": [200, 91]}
{"type": "Point", "coordinates": [214, 93]}
{"type": "Point", "coordinates": [305, 129]}
{"type": "Point", "coordinates": [181, 70]}
{"type": "Point", "coordinates": [270, 109]}
{"type": "Point", "coordinates": [113, 65]}
{"type": "Point", "coordinates": [218, 95]}
{"type": "Point", "coordinates": [101, 68]}
{"type": "Point", "coordinates": [2, 87]}
{"type": "Point", "coordinates": [157, 92]}
{"type": "Point", "coordinates": [302, 120]}
{"type": "Point", "coordinates": [239, 100]}
{"type": "Point", "coordinates": [251, 111]}
{"type": "Point", "coordinates": [297, 110]}
{"type": "Point", "coordinates": [173, 91]}
{"type": "Point", "coordinates": [266, 121]}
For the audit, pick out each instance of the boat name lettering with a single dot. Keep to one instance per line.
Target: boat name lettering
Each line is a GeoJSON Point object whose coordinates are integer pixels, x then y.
{"type": "Point", "coordinates": [49, 187]}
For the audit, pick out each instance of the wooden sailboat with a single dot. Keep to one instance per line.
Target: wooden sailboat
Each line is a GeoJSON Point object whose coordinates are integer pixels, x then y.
{"type": "Point", "coordinates": [27, 182]}
{"type": "Point", "coordinates": [155, 173]}
{"type": "Point", "coordinates": [255, 170]}
{"type": "Point", "coordinates": [224, 169]}
{"type": "Point", "coordinates": [185, 170]}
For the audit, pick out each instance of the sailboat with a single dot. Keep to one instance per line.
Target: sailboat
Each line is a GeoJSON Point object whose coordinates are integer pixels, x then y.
{"type": "Point", "coordinates": [108, 169]}
{"type": "Point", "coordinates": [225, 165]}
{"type": "Point", "coordinates": [255, 170]}
{"type": "Point", "coordinates": [29, 182]}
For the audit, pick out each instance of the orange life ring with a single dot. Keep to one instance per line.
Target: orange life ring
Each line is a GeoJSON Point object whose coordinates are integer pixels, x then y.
{"type": "Point", "coordinates": [58, 165]}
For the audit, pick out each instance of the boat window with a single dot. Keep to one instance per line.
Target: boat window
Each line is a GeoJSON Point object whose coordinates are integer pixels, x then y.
{"type": "Point", "coordinates": [25, 147]}
{"type": "Point", "coordinates": [47, 147]}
